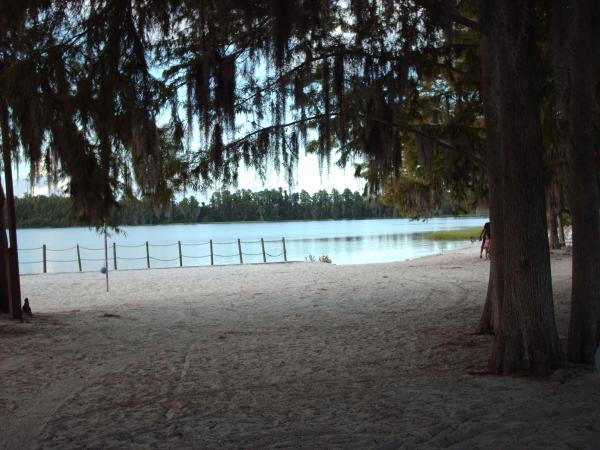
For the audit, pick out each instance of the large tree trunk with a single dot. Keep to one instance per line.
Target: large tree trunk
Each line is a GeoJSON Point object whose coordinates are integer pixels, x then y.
{"type": "Point", "coordinates": [490, 317]}
{"type": "Point", "coordinates": [5, 288]}
{"type": "Point", "coordinates": [13, 254]}
{"type": "Point", "coordinates": [584, 325]}
{"type": "Point", "coordinates": [527, 339]}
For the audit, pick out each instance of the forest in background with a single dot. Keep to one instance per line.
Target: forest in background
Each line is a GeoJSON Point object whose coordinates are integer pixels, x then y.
{"type": "Point", "coordinates": [223, 206]}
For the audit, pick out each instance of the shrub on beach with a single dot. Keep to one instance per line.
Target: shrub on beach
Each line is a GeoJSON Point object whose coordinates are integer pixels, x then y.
{"type": "Point", "coordinates": [323, 259]}
{"type": "Point", "coordinates": [463, 234]}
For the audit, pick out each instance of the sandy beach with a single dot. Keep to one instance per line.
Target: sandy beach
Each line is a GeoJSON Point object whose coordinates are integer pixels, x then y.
{"type": "Point", "coordinates": [300, 355]}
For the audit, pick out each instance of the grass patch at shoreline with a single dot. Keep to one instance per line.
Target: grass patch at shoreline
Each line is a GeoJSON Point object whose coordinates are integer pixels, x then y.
{"type": "Point", "coordinates": [462, 234]}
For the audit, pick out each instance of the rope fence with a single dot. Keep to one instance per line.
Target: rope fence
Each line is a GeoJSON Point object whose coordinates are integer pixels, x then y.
{"type": "Point", "coordinates": [148, 257]}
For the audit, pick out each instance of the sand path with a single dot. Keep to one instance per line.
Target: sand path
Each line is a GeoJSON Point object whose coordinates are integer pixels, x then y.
{"type": "Point", "coordinates": [279, 356]}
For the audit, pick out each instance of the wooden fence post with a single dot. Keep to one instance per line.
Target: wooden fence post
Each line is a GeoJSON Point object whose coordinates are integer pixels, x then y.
{"type": "Point", "coordinates": [240, 250]}
{"type": "Point", "coordinates": [115, 255]}
{"type": "Point", "coordinates": [212, 261]}
{"type": "Point", "coordinates": [262, 243]}
{"type": "Point", "coordinates": [147, 255]}
{"type": "Point", "coordinates": [284, 250]}
{"type": "Point", "coordinates": [78, 257]}
{"type": "Point", "coordinates": [180, 257]}
{"type": "Point", "coordinates": [44, 257]}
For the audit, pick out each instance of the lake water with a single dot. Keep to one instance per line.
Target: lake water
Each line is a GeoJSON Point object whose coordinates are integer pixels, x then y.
{"type": "Point", "coordinates": [344, 241]}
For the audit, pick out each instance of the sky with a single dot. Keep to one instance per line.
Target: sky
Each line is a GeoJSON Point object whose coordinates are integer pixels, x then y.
{"type": "Point", "coordinates": [307, 177]}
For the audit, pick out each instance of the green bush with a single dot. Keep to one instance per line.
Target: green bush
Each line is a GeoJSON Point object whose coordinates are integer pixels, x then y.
{"type": "Point", "coordinates": [464, 234]}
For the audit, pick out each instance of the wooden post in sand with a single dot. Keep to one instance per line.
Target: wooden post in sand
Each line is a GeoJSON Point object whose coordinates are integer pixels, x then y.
{"type": "Point", "coordinates": [78, 258]}
{"type": "Point", "coordinates": [44, 256]}
{"type": "Point", "coordinates": [212, 260]}
{"type": "Point", "coordinates": [180, 257]}
{"type": "Point", "coordinates": [240, 250]}
{"type": "Point", "coordinates": [115, 255]}
{"type": "Point", "coordinates": [106, 255]}
{"type": "Point", "coordinates": [147, 255]}
{"type": "Point", "coordinates": [284, 250]}
{"type": "Point", "coordinates": [262, 243]}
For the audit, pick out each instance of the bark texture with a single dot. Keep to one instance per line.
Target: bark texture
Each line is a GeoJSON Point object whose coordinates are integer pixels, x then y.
{"type": "Point", "coordinates": [5, 289]}
{"type": "Point", "coordinates": [13, 254]}
{"type": "Point", "coordinates": [490, 318]}
{"type": "Point", "coordinates": [527, 339]}
{"type": "Point", "coordinates": [584, 323]}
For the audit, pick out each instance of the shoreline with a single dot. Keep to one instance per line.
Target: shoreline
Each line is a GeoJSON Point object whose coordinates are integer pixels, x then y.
{"type": "Point", "coordinates": [207, 266]}
{"type": "Point", "coordinates": [473, 216]}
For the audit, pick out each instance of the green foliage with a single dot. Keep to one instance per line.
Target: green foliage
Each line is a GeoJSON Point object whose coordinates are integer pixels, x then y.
{"type": "Point", "coordinates": [42, 211]}
{"type": "Point", "coordinates": [223, 206]}
{"type": "Point", "coordinates": [464, 234]}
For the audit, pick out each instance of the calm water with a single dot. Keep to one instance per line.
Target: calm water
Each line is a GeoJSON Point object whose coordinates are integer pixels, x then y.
{"type": "Point", "coordinates": [344, 241]}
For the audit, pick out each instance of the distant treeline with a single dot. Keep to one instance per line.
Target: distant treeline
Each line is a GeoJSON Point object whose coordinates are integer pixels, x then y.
{"type": "Point", "coordinates": [224, 206]}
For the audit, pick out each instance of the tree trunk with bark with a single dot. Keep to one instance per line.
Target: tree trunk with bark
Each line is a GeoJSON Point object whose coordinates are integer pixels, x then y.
{"type": "Point", "coordinates": [13, 254]}
{"type": "Point", "coordinates": [5, 288]}
{"type": "Point", "coordinates": [527, 339]}
{"type": "Point", "coordinates": [490, 317]}
{"type": "Point", "coordinates": [584, 326]}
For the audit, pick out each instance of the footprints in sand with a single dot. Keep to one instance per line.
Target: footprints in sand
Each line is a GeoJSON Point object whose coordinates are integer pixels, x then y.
{"type": "Point", "coordinates": [177, 404]}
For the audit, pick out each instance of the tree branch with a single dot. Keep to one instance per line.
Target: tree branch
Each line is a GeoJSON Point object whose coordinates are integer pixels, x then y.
{"type": "Point", "coordinates": [283, 125]}
{"type": "Point", "coordinates": [442, 8]}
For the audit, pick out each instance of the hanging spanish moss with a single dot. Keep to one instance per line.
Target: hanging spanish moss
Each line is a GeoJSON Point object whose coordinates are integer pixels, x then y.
{"type": "Point", "coordinates": [262, 80]}
{"type": "Point", "coordinates": [224, 80]}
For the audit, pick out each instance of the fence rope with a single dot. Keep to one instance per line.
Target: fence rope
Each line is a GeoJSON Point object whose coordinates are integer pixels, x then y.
{"type": "Point", "coordinates": [147, 256]}
{"type": "Point", "coordinates": [62, 260]}
{"type": "Point", "coordinates": [164, 260]}
{"type": "Point", "coordinates": [91, 249]}
{"type": "Point", "coordinates": [60, 249]}
{"type": "Point", "coordinates": [95, 259]}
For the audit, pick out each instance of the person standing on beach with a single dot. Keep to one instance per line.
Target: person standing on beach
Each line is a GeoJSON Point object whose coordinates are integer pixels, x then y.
{"type": "Point", "coordinates": [484, 236]}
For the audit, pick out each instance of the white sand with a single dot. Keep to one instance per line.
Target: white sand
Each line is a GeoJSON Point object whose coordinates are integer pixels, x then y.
{"type": "Point", "coordinates": [297, 355]}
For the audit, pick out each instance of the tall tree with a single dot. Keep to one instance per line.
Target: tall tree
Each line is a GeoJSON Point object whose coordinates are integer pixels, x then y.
{"type": "Point", "coordinates": [527, 339]}
{"type": "Point", "coordinates": [490, 318]}
{"type": "Point", "coordinates": [576, 33]}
